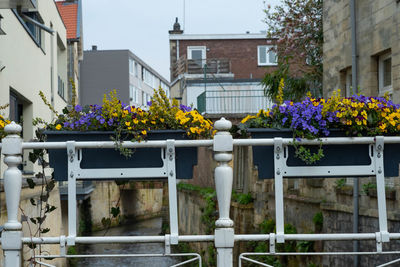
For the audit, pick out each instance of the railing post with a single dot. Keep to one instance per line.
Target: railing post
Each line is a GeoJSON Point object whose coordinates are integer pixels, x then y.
{"type": "Point", "coordinates": [11, 238]}
{"type": "Point", "coordinates": [224, 233]}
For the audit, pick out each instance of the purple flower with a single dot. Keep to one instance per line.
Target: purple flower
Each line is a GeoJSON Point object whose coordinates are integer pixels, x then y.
{"type": "Point", "coordinates": [78, 108]}
{"type": "Point", "coordinates": [185, 108]}
{"type": "Point", "coordinates": [149, 103]}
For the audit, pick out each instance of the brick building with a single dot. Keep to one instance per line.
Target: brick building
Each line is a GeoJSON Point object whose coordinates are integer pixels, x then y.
{"type": "Point", "coordinates": [378, 56]}
{"type": "Point", "coordinates": [220, 73]}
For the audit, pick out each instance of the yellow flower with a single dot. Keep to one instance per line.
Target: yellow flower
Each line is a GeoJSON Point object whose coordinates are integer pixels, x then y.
{"type": "Point", "coordinates": [135, 121]}
{"type": "Point", "coordinates": [162, 120]}
{"type": "Point", "coordinates": [247, 118]}
{"type": "Point", "coordinates": [144, 132]}
{"type": "Point", "coordinates": [382, 126]}
{"type": "Point", "coordinates": [153, 122]}
{"type": "Point", "coordinates": [58, 127]}
{"type": "Point", "coordinates": [128, 123]}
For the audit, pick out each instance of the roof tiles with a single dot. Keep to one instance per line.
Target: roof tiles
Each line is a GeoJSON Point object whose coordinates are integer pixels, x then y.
{"type": "Point", "coordinates": [69, 14]}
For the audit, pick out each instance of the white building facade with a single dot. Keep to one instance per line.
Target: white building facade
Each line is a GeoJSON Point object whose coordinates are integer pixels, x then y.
{"type": "Point", "coordinates": [32, 60]}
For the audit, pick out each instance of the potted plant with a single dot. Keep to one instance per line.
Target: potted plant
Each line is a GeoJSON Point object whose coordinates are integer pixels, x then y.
{"type": "Point", "coordinates": [113, 120]}
{"type": "Point", "coordinates": [333, 117]}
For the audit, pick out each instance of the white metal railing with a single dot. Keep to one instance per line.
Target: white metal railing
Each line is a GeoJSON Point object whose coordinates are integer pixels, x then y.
{"type": "Point", "coordinates": [224, 238]}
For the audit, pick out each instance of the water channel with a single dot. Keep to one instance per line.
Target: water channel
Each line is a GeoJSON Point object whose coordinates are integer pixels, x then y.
{"type": "Point", "coordinates": [147, 227]}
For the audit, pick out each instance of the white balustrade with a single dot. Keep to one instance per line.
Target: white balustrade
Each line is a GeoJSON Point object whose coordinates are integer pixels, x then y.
{"type": "Point", "coordinates": [224, 237]}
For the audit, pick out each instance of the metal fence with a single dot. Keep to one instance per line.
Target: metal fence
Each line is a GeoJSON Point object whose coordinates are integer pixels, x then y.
{"type": "Point", "coordinates": [232, 101]}
{"type": "Point", "coordinates": [224, 238]}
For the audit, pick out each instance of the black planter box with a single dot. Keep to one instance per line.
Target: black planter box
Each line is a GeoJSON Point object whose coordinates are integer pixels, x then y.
{"type": "Point", "coordinates": [334, 155]}
{"type": "Point", "coordinates": [186, 157]}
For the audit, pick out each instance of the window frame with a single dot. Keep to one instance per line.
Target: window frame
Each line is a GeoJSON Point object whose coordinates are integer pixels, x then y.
{"type": "Point", "coordinates": [268, 48]}
{"type": "Point", "coordinates": [203, 50]}
{"type": "Point", "coordinates": [381, 88]}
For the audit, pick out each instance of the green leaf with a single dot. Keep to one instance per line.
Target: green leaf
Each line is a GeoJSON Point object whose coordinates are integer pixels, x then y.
{"type": "Point", "coordinates": [106, 222]}
{"type": "Point", "coordinates": [33, 157]}
{"type": "Point", "coordinates": [50, 186]}
{"type": "Point", "coordinates": [115, 211]}
{"type": "Point", "coordinates": [31, 245]}
{"type": "Point", "coordinates": [45, 230]}
{"type": "Point", "coordinates": [31, 183]}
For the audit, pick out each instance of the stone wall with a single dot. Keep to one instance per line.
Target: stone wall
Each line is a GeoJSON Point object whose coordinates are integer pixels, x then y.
{"type": "Point", "coordinates": [53, 221]}
{"type": "Point", "coordinates": [136, 202]}
{"type": "Point", "coordinates": [377, 33]}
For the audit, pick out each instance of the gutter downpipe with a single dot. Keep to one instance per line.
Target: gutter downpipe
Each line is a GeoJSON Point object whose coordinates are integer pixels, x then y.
{"type": "Point", "coordinates": [355, 88]}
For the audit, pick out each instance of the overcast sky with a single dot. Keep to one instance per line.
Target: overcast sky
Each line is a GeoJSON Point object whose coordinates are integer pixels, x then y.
{"type": "Point", "coordinates": [142, 26]}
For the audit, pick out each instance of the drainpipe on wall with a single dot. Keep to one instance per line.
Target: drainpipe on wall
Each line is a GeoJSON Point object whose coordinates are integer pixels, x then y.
{"type": "Point", "coordinates": [355, 88]}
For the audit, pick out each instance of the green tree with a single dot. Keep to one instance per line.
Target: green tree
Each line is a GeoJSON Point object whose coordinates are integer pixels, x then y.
{"type": "Point", "coordinates": [297, 27]}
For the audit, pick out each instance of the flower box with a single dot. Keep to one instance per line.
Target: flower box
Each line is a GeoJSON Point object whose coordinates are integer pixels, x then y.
{"type": "Point", "coordinates": [334, 155]}
{"type": "Point", "coordinates": [186, 157]}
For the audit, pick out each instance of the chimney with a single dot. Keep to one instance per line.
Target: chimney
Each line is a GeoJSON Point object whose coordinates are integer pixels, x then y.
{"type": "Point", "coordinates": [94, 47]}
{"type": "Point", "coordinates": [176, 28]}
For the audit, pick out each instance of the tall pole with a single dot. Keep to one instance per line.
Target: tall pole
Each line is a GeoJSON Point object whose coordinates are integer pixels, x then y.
{"type": "Point", "coordinates": [355, 89]}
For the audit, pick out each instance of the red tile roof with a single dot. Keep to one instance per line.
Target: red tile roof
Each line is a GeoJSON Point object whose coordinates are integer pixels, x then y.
{"type": "Point", "coordinates": [69, 14]}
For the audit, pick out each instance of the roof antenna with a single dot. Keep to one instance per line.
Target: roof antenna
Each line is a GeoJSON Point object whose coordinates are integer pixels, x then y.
{"type": "Point", "coordinates": [184, 15]}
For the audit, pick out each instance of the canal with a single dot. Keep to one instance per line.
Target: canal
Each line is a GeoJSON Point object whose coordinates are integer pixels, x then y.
{"type": "Point", "coordinates": [146, 227]}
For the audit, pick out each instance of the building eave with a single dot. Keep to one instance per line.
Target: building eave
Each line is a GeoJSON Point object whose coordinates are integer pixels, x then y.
{"type": "Point", "coordinates": [218, 36]}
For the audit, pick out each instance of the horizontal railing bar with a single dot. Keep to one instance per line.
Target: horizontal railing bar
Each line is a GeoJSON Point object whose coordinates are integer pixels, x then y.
{"type": "Point", "coordinates": [118, 239]}
{"type": "Point", "coordinates": [205, 238]}
{"type": "Point", "coordinates": [339, 253]}
{"type": "Point", "coordinates": [116, 255]}
{"type": "Point", "coordinates": [111, 144]}
{"type": "Point", "coordinates": [210, 142]}
{"type": "Point", "coordinates": [316, 237]}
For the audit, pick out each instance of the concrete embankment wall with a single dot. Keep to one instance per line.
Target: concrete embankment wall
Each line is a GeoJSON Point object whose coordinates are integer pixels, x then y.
{"type": "Point", "coordinates": [303, 200]}
{"type": "Point", "coordinates": [137, 200]}
{"type": "Point", "coordinates": [53, 221]}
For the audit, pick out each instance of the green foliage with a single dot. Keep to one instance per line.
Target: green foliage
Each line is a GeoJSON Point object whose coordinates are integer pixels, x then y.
{"type": "Point", "coordinates": [241, 198]}
{"type": "Point", "coordinates": [72, 262]}
{"type": "Point", "coordinates": [212, 256]}
{"type": "Point", "coordinates": [318, 221]}
{"type": "Point", "coordinates": [305, 246]}
{"type": "Point", "coordinates": [305, 153]}
{"type": "Point", "coordinates": [295, 87]}
{"type": "Point", "coordinates": [209, 214]}
{"type": "Point", "coordinates": [340, 183]}
{"type": "Point", "coordinates": [267, 226]}
{"type": "Point", "coordinates": [367, 187]}
{"type": "Point", "coordinates": [297, 25]}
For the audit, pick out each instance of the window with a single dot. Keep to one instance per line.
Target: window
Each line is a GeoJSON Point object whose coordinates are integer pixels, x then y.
{"type": "Point", "coordinates": [349, 83]}
{"type": "Point", "coordinates": [34, 31]}
{"type": "Point", "coordinates": [385, 74]}
{"type": "Point", "coordinates": [61, 87]}
{"type": "Point", "coordinates": [148, 77]}
{"type": "Point", "coordinates": [136, 70]}
{"type": "Point", "coordinates": [266, 56]}
{"type": "Point", "coordinates": [131, 64]}
{"type": "Point", "coordinates": [197, 54]}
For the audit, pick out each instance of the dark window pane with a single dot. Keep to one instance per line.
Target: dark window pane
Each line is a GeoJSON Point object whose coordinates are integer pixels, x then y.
{"type": "Point", "coordinates": [387, 72]}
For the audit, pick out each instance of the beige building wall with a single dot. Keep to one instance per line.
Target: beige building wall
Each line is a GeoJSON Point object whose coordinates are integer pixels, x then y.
{"type": "Point", "coordinates": [378, 36]}
{"type": "Point", "coordinates": [30, 68]}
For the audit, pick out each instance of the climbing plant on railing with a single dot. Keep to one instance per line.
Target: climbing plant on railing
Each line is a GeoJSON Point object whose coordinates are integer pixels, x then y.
{"type": "Point", "coordinates": [46, 183]}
